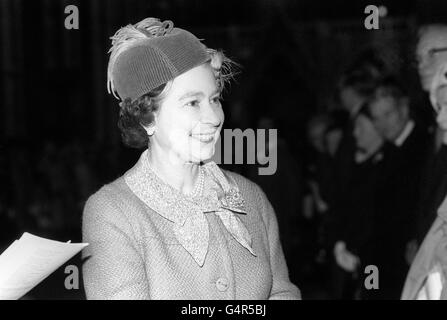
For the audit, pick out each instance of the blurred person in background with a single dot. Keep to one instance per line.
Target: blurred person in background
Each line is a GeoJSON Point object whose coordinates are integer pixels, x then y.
{"type": "Point", "coordinates": [354, 88]}
{"type": "Point", "coordinates": [318, 167]}
{"type": "Point", "coordinates": [352, 248]}
{"type": "Point", "coordinates": [324, 132]}
{"type": "Point", "coordinates": [431, 53]}
{"type": "Point", "coordinates": [334, 132]}
{"type": "Point", "coordinates": [316, 203]}
{"type": "Point", "coordinates": [427, 278]}
{"type": "Point", "coordinates": [404, 155]}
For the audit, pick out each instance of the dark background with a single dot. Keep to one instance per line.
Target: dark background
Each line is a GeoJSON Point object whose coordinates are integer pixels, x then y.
{"type": "Point", "coordinates": [58, 136]}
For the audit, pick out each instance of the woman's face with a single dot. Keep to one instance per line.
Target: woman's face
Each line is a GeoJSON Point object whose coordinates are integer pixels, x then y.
{"type": "Point", "coordinates": [190, 117]}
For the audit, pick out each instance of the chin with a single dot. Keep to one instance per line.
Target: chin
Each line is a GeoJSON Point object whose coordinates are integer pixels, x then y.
{"type": "Point", "coordinates": [199, 156]}
{"type": "Point", "coordinates": [203, 156]}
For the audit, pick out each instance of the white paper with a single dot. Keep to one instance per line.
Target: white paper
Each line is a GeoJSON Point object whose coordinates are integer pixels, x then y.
{"type": "Point", "coordinates": [29, 260]}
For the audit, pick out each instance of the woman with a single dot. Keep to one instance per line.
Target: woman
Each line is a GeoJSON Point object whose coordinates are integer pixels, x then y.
{"type": "Point", "coordinates": [174, 227]}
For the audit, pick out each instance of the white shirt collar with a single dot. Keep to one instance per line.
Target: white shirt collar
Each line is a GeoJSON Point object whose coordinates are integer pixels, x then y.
{"type": "Point", "coordinates": [405, 133]}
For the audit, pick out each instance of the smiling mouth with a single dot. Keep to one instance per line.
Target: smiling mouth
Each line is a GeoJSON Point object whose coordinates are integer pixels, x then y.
{"type": "Point", "coordinates": [205, 138]}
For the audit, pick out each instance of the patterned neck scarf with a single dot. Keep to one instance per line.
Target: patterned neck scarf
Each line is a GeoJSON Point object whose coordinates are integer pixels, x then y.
{"type": "Point", "coordinates": [221, 197]}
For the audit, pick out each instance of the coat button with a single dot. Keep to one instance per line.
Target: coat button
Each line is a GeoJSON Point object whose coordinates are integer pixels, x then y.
{"type": "Point", "coordinates": [222, 284]}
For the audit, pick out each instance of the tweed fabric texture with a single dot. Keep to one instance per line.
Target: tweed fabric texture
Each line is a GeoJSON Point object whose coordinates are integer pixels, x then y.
{"type": "Point", "coordinates": [213, 193]}
{"type": "Point", "coordinates": [134, 252]}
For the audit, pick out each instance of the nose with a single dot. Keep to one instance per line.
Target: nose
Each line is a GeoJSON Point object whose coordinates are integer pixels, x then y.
{"type": "Point", "coordinates": [212, 115]}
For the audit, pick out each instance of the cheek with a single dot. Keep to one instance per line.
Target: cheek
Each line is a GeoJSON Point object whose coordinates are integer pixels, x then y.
{"type": "Point", "coordinates": [442, 116]}
{"type": "Point", "coordinates": [438, 62]}
{"type": "Point", "coordinates": [394, 122]}
{"type": "Point", "coordinates": [441, 97]}
{"type": "Point", "coordinates": [402, 120]}
{"type": "Point", "coordinates": [428, 68]}
{"type": "Point", "coordinates": [183, 123]}
{"type": "Point", "coordinates": [175, 130]}
{"type": "Point", "coordinates": [359, 134]}
{"type": "Point", "coordinates": [381, 124]}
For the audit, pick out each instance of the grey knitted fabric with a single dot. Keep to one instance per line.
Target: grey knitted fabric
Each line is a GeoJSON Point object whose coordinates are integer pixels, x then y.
{"type": "Point", "coordinates": [155, 61]}
{"type": "Point", "coordinates": [134, 254]}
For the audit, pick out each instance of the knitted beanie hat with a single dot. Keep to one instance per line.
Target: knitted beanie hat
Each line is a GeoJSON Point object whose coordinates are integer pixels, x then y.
{"type": "Point", "coordinates": [149, 54]}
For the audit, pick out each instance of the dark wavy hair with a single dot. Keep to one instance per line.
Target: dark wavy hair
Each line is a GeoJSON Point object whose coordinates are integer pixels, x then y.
{"type": "Point", "coordinates": [134, 115]}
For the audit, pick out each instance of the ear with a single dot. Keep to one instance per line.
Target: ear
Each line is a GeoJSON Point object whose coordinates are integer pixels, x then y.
{"type": "Point", "coordinates": [150, 129]}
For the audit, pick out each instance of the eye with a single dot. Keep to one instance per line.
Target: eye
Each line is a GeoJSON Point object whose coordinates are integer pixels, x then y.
{"type": "Point", "coordinates": [216, 99]}
{"type": "Point", "coordinates": [192, 103]}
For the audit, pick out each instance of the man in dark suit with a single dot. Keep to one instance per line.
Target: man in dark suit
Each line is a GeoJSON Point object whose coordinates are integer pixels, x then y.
{"type": "Point", "coordinates": [355, 87]}
{"type": "Point", "coordinates": [356, 213]}
{"type": "Point", "coordinates": [398, 195]}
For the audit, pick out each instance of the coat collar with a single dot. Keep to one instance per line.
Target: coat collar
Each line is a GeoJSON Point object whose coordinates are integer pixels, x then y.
{"type": "Point", "coordinates": [218, 194]}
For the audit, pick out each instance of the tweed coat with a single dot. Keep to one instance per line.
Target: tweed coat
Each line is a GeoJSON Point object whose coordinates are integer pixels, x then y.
{"type": "Point", "coordinates": [133, 252]}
